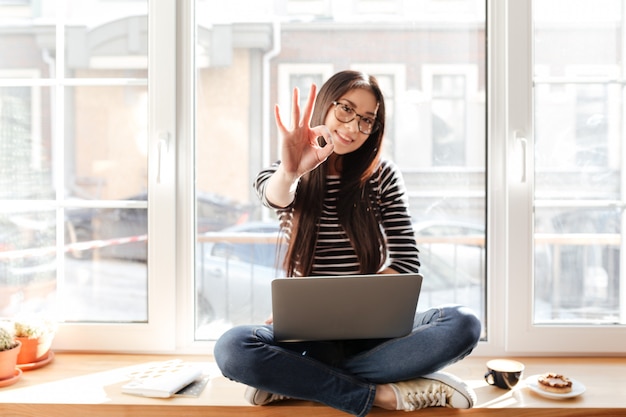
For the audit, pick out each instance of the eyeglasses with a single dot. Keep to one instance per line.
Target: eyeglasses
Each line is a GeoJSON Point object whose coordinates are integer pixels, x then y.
{"type": "Point", "coordinates": [345, 114]}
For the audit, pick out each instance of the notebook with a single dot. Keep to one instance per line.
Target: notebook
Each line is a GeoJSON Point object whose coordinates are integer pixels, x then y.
{"type": "Point", "coordinates": [344, 307]}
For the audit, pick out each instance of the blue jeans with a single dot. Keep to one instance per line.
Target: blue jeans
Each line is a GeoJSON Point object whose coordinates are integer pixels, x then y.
{"type": "Point", "coordinates": [344, 374]}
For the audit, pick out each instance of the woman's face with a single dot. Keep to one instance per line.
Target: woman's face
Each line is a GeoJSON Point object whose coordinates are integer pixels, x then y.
{"type": "Point", "coordinates": [346, 135]}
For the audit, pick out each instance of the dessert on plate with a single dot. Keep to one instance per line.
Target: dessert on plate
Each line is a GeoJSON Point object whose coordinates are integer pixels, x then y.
{"type": "Point", "coordinates": [553, 382]}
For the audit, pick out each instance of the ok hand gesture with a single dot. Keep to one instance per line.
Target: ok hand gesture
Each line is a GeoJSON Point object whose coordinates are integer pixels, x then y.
{"type": "Point", "coordinates": [301, 152]}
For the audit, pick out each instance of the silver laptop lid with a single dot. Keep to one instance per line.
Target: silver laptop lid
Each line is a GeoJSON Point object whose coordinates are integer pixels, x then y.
{"type": "Point", "coordinates": [344, 307]}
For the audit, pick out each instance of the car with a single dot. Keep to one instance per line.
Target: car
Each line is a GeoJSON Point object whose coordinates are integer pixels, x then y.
{"type": "Point", "coordinates": [235, 268]}
{"type": "Point", "coordinates": [214, 212]}
{"type": "Point", "coordinates": [452, 253]}
{"type": "Point", "coordinates": [452, 258]}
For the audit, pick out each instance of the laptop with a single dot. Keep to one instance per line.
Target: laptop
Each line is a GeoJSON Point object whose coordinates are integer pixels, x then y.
{"type": "Point", "coordinates": [344, 307]}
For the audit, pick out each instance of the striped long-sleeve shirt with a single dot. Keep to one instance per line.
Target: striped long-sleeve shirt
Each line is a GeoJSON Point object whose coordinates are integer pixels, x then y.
{"type": "Point", "coordinates": [334, 253]}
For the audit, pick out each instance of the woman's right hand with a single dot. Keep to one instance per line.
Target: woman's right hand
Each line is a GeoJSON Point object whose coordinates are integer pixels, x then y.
{"type": "Point", "coordinates": [301, 151]}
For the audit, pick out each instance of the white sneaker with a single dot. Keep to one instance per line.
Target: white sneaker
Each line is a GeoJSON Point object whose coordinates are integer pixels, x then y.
{"type": "Point", "coordinates": [257, 396]}
{"type": "Point", "coordinates": [438, 389]}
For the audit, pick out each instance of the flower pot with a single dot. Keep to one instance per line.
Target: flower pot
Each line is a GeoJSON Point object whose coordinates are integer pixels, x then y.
{"type": "Point", "coordinates": [34, 349]}
{"type": "Point", "coordinates": [8, 361]}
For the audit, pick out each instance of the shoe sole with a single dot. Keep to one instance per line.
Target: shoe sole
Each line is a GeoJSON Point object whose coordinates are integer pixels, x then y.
{"type": "Point", "coordinates": [256, 396]}
{"type": "Point", "coordinates": [457, 385]}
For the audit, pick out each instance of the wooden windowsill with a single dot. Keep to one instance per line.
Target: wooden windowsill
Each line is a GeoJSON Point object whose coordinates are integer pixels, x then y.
{"type": "Point", "coordinates": [76, 384]}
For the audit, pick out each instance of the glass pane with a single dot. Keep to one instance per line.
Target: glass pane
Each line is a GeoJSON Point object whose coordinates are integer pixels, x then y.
{"type": "Point", "coordinates": [105, 163]}
{"type": "Point", "coordinates": [435, 133]}
{"type": "Point", "coordinates": [106, 142]}
{"type": "Point", "coordinates": [25, 154]}
{"type": "Point", "coordinates": [579, 188]}
{"type": "Point", "coordinates": [27, 260]}
{"type": "Point", "coordinates": [105, 265]}
{"type": "Point", "coordinates": [27, 238]}
{"type": "Point", "coordinates": [73, 161]}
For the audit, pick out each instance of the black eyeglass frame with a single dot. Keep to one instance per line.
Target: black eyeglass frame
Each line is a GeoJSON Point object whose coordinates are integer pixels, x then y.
{"type": "Point", "coordinates": [374, 126]}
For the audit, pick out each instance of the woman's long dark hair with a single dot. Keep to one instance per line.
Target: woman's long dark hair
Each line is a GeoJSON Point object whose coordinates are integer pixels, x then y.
{"type": "Point", "coordinates": [356, 202]}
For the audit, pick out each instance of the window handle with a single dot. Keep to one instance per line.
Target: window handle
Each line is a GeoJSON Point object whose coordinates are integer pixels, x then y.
{"type": "Point", "coordinates": [162, 148]}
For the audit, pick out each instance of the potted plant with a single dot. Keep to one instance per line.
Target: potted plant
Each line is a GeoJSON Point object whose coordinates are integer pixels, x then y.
{"type": "Point", "coordinates": [36, 335]}
{"type": "Point", "coordinates": [9, 349]}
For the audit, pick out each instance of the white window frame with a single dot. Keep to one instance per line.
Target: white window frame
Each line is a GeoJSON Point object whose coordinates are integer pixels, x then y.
{"type": "Point", "coordinates": [158, 333]}
{"type": "Point", "coordinates": [185, 186]}
{"type": "Point", "coordinates": [520, 335]}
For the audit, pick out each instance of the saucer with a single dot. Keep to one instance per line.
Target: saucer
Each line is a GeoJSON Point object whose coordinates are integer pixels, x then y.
{"type": "Point", "coordinates": [577, 389]}
{"type": "Point", "coordinates": [35, 365]}
{"type": "Point", "coordinates": [12, 380]}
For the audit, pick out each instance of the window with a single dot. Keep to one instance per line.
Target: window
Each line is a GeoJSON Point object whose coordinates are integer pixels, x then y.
{"type": "Point", "coordinates": [426, 92]}
{"type": "Point", "coordinates": [582, 281]}
{"type": "Point", "coordinates": [452, 128]}
{"type": "Point", "coordinates": [79, 123]}
{"type": "Point", "coordinates": [131, 132]}
{"type": "Point", "coordinates": [570, 194]}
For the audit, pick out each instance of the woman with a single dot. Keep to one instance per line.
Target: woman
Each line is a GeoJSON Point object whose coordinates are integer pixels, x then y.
{"type": "Point", "coordinates": [345, 211]}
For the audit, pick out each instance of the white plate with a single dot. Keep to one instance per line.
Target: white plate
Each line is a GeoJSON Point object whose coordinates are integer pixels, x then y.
{"type": "Point", "coordinates": [577, 389]}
